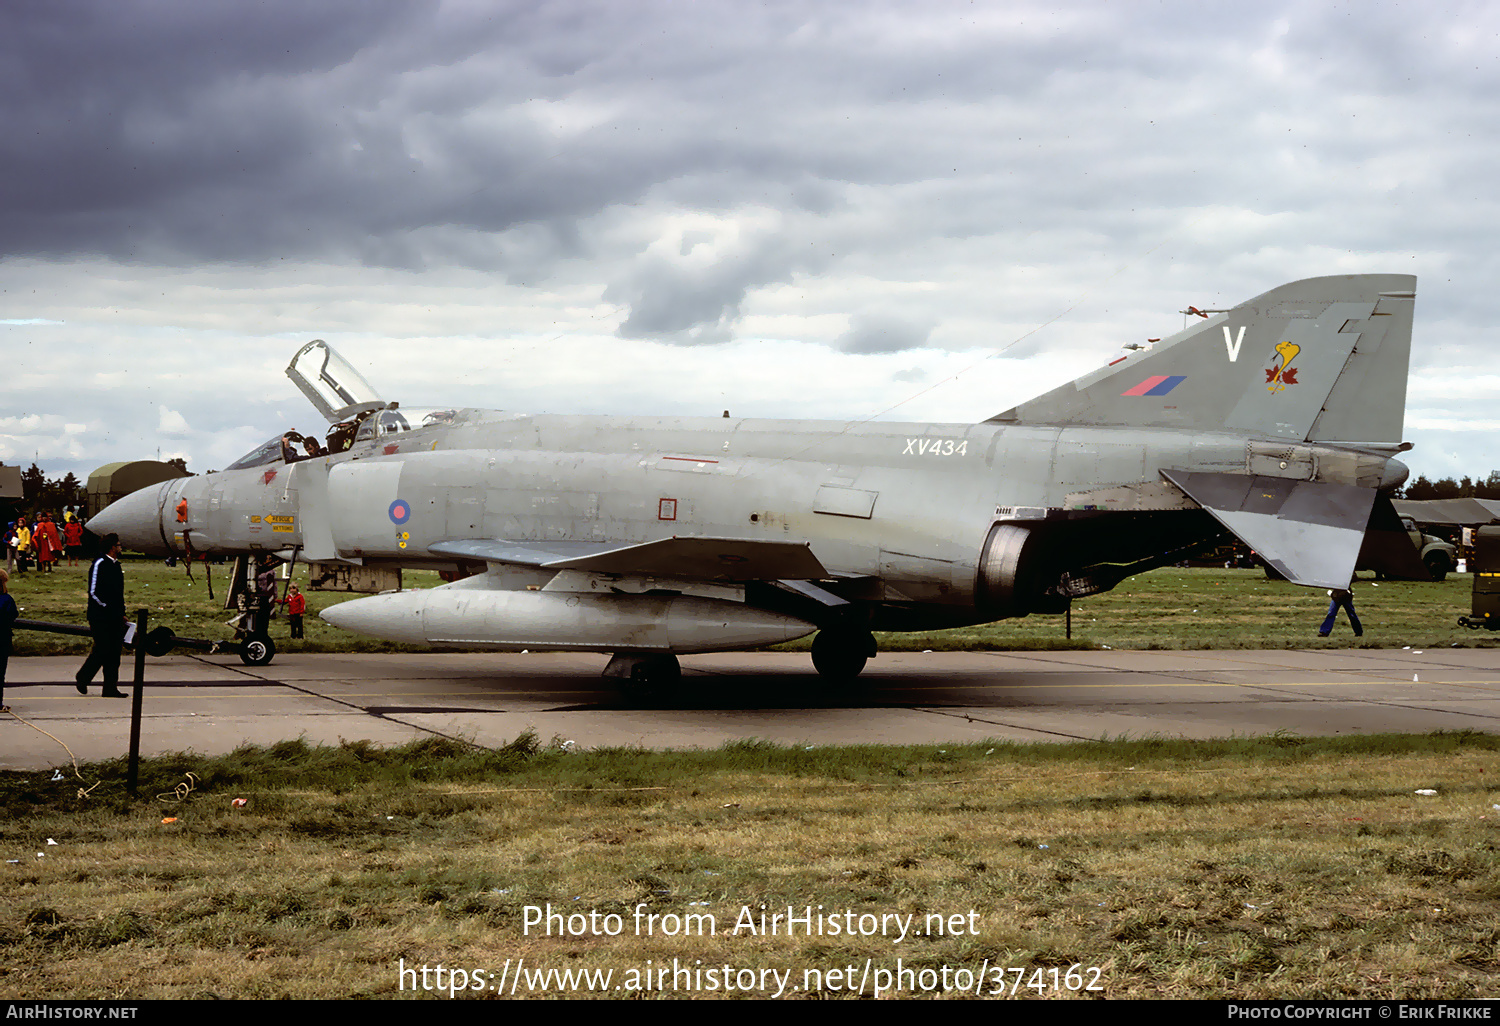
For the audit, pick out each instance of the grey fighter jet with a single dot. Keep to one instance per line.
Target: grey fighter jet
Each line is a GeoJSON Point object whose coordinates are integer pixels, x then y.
{"type": "Point", "coordinates": [1276, 421]}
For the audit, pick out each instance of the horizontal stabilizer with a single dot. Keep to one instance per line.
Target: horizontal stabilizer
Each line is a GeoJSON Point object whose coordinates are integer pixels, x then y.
{"type": "Point", "coordinates": [1309, 531]}
{"type": "Point", "coordinates": [714, 559]}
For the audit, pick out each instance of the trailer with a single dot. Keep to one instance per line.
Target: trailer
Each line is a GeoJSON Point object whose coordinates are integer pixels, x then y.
{"type": "Point", "coordinates": [1484, 606]}
{"type": "Point", "coordinates": [158, 642]}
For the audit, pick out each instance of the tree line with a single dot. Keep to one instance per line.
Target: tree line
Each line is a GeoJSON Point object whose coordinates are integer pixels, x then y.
{"type": "Point", "coordinates": [39, 493]}
{"type": "Point", "coordinates": [1447, 488]}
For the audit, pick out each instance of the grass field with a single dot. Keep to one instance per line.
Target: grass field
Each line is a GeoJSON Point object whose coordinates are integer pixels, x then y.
{"type": "Point", "coordinates": [1273, 867]}
{"type": "Point", "coordinates": [1169, 608]}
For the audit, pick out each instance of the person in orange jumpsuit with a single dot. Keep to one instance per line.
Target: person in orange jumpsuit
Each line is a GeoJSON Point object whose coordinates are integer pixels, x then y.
{"type": "Point", "coordinates": [46, 542]}
{"type": "Point", "coordinates": [73, 540]}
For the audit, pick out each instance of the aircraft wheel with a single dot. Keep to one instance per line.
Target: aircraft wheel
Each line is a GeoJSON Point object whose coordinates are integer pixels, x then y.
{"type": "Point", "coordinates": [1437, 566]}
{"type": "Point", "coordinates": [840, 655]}
{"type": "Point", "coordinates": [257, 650]}
{"type": "Point", "coordinates": [653, 681]}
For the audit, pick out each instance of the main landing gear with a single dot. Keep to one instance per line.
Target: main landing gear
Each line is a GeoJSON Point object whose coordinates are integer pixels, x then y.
{"type": "Point", "coordinates": [840, 653]}
{"type": "Point", "coordinates": [646, 680]}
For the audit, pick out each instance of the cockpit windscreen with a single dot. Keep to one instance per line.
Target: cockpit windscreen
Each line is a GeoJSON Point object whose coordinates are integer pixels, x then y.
{"type": "Point", "coordinates": [391, 422]}
{"type": "Point", "coordinates": [268, 451]}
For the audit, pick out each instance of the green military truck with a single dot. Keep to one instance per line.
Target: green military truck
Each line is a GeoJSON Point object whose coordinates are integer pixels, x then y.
{"type": "Point", "coordinates": [1439, 557]}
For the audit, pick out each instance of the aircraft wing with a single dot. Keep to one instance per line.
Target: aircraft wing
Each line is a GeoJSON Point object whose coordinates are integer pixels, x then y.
{"type": "Point", "coordinates": [1309, 531]}
{"type": "Point", "coordinates": [714, 559]}
{"type": "Point", "coordinates": [518, 553]}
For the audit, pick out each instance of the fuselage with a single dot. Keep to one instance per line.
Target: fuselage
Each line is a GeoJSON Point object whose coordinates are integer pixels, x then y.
{"type": "Point", "coordinates": [1275, 422]}
{"type": "Point", "coordinates": [908, 504]}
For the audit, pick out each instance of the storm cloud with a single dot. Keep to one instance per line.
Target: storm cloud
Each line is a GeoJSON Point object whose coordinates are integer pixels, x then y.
{"type": "Point", "coordinates": [565, 187]}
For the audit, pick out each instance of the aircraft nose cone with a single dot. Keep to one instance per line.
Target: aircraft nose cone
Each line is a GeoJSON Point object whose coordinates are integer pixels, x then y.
{"type": "Point", "coordinates": [135, 518]}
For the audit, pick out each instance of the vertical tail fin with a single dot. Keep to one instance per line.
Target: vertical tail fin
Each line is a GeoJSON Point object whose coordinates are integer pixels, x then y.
{"type": "Point", "coordinates": [1321, 358]}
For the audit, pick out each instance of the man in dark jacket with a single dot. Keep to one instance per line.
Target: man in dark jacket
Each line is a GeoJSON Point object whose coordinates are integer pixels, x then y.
{"type": "Point", "coordinates": [107, 621]}
{"type": "Point", "coordinates": [8, 614]}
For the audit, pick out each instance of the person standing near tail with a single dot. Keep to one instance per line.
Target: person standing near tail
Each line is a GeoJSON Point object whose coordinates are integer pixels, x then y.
{"type": "Point", "coordinates": [1341, 598]}
{"type": "Point", "coordinates": [107, 620]}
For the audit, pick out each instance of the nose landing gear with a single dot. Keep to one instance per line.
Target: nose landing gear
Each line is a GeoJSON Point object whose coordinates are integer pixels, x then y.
{"type": "Point", "coordinates": [257, 650]}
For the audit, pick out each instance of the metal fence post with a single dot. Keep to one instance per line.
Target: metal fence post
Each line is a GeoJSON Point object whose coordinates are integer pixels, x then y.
{"type": "Point", "coordinates": [135, 701]}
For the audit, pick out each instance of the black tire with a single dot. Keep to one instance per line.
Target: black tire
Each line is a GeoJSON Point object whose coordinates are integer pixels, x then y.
{"type": "Point", "coordinates": [653, 682]}
{"type": "Point", "coordinates": [839, 656]}
{"type": "Point", "coordinates": [1437, 565]}
{"type": "Point", "coordinates": [257, 650]}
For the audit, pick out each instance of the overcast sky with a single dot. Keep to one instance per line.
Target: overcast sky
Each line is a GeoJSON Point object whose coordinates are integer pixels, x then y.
{"type": "Point", "coordinates": [835, 210]}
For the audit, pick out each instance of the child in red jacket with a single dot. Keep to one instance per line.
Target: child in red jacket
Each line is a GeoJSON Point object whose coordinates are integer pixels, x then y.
{"type": "Point", "coordinates": [296, 605]}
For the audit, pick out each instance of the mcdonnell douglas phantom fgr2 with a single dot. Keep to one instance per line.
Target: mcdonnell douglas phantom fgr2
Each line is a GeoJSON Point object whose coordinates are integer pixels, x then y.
{"type": "Point", "coordinates": [1276, 421]}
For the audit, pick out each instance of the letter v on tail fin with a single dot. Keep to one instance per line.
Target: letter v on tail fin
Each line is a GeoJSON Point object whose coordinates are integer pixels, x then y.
{"type": "Point", "coordinates": [1232, 345]}
{"type": "Point", "coordinates": [1322, 358]}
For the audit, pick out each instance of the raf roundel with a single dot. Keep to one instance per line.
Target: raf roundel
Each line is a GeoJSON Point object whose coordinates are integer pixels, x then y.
{"type": "Point", "coordinates": [400, 512]}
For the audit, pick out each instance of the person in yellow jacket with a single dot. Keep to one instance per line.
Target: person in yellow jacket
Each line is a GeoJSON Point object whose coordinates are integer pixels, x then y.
{"type": "Point", "coordinates": [23, 545]}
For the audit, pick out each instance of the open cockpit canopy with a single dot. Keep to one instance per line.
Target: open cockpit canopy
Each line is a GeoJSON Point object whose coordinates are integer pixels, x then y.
{"type": "Point", "coordinates": [331, 383]}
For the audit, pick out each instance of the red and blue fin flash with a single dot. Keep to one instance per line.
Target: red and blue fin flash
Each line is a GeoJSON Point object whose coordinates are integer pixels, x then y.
{"type": "Point", "coordinates": [1161, 384]}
